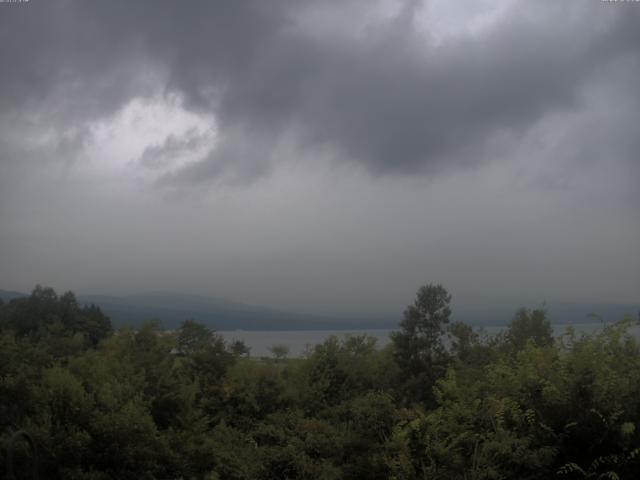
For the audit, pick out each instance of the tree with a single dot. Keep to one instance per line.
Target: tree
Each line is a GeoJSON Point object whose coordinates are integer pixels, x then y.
{"type": "Point", "coordinates": [44, 316]}
{"type": "Point", "coordinates": [239, 348]}
{"type": "Point", "coordinates": [463, 338]}
{"type": "Point", "coordinates": [419, 350]}
{"type": "Point", "coordinates": [193, 336]}
{"type": "Point", "coordinates": [279, 351]}
{"type": "Point", "coordinates": [529, 325]}
{"type": "Point", "coordinates": [207, 357]}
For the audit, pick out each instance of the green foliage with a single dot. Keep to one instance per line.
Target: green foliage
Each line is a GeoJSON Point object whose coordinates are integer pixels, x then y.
{"type": "Point", "coordinates": [151, 404]}
{"type": "Point", "coordinates": [419, 350]}
{"type": "Point", "coordinates": [529, 326]}
{"type": "Point", "coordinates": [193, 337]}
{"type": "Point", "coordinates": [253, 391]}
{"type": "Point", "coordinates": [239, 348]}
{"type": "Point", "coordinates": [337, 370]}
{"type": "Point", "coordinates": [65, 326]}
{"type": "Point", "coordinates": [279, 351]}
{"type": "Point", "coordinates": [292, 446]}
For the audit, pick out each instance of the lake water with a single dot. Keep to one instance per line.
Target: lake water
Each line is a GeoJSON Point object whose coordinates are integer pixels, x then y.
{"type": "Point", "coordinates": [299, 340]}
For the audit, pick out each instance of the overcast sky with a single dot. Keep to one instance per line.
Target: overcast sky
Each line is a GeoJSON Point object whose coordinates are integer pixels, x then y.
{"type": "Point", "coordinates": [322, 156]}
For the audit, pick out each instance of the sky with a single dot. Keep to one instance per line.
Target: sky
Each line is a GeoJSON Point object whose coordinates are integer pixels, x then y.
{"type": "Point", "coordinates": [322, 156]}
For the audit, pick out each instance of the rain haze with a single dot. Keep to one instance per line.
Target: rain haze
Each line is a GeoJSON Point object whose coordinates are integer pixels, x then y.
{"type": "Point", "coordinates": [323, 157]}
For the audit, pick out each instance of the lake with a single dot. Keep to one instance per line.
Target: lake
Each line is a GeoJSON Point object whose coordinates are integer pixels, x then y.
{"type": "Point", "coordinates": [298, 340]}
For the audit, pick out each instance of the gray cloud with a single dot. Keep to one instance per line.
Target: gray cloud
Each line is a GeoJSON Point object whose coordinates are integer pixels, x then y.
{"type": "Point", "coordinates": [387, 99]}
{"type": "Point", "coordinates": [162, 155]}
{"type": "Point", "coordinates": [498, 160]}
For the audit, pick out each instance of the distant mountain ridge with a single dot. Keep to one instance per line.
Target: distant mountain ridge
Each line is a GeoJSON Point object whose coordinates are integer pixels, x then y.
{"type": "Point", "coordinates": [221, 314]}
{"type": "Point", "coordinates": [8, 295]}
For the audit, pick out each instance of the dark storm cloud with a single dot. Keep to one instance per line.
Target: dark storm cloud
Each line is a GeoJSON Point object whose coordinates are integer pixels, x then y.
{"type": "Point", "coordinates": [57, 59]}
{"type": "Point", "coordinates": [387, 98]}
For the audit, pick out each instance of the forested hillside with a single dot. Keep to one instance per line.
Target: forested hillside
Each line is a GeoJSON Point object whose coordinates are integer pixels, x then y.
{"type": "Point", "coordinates": [440, 402]}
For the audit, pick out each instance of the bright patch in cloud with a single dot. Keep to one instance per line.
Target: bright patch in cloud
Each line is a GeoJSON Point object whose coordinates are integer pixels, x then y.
{"type": "Point", "coordinates": [442, 19]}
{"type": "Point", "coordinates": [151, 137]}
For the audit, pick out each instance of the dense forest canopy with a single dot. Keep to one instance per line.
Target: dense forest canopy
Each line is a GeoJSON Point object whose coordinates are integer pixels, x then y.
{"type": "Point", "coordinates": [441, 401]}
